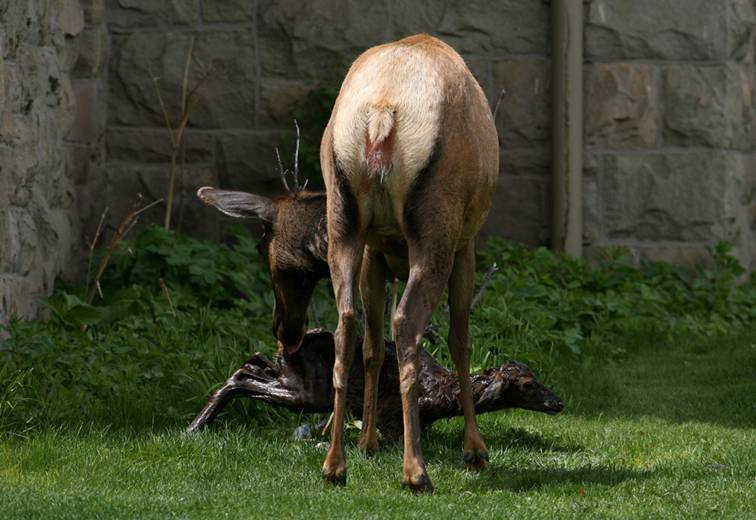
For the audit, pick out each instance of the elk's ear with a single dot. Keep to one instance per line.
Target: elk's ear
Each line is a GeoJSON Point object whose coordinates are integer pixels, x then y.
{"type": "Point", "coordinates": [239, 204]}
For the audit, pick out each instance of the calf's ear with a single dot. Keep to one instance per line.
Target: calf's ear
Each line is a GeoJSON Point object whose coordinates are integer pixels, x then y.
{"type": "Point", "coordinates": [239, 204]}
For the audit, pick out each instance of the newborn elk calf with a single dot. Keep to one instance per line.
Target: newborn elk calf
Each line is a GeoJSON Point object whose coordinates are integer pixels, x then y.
{"type": "Point", "coordinates": [302, 382]}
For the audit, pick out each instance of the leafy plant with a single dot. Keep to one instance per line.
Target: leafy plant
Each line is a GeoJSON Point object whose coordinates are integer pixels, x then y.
{"type": "Point", "coordinates": [177, 315]}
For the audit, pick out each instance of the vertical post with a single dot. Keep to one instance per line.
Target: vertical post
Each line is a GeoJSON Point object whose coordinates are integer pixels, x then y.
{"type": "Point", "coordinates": [567, 156]}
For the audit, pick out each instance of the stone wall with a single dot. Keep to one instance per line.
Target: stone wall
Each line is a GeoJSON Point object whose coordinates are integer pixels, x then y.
{"type": "Point", "coordinates": [669, 105]}
{"type": "Point", "coordinates": [39, 225]}
{"type": "Point", "coordinates": [267, 57]}
{"type": "Point", "coordinates": [669, 114]}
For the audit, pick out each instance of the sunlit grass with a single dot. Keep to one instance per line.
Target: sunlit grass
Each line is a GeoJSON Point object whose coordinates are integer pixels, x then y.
{"type": "Point", "coordinates": [664, 432]}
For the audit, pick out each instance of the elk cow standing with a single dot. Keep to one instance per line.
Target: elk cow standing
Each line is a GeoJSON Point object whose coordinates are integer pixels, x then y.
{"type": "Point", "coordinates": [410, 160]}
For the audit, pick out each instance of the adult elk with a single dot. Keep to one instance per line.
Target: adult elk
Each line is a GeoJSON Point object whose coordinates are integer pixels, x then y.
{"type": "Point", "coordinates": [410, 159]}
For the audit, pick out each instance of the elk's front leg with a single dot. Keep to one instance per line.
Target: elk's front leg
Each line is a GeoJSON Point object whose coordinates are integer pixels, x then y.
{"type": "Point", "coordinates": [344, 258]}
{"type": "Point", "coordinates": [372, 291]}
{"type": "Point", "coordinates": [475, 453]}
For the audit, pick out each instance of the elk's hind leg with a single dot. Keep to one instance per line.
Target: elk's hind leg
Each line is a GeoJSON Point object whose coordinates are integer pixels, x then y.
{"type": "Point", "coordinates": [372, 290]}
{"type": "Point", "coordinates": [430, 264]}
{"type": "Point", "coordinates": [345, 257]}
{"type": "Point", "coordinates": [475, 453]}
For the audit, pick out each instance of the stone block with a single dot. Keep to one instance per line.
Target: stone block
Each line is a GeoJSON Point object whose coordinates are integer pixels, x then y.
{"type": "Point", "coordinates": [533, 161]}
{"type": "Point", "coordinates": [279, 100]}
{"type": "Point", "coordinates": [318, 40]}
{"type": "Point", "coordinates": [228, 11]}
{"type": "Point", "coordinates": [71, 17]}
{"type": "Point", "coordinates": [691, 256]}
{"type": "Point", "coordinates": [740, 206]}
{"type": "Point", "coordinates": [593, 229]}
{"type": "Point", "coordinates": [247, 160]}
{"type": "Point", "coordinates": [94, 12]}
{"type": "Point", "coordinates": [225, 99]}
{"type": "Point", "coordinates": [477, 27]}
{"type": "Point", "coordinates": [667, 29]}
{"type": "Point", "coordinates": [620, 105]}
{"type": "Point", "coordinates": [520, 211]}
{"type": "Point", "coordinates": [152, 145]}
{"type": "Point", "coordinates": [189, 214]}
{"type": "Point", "coordinates": [524, 116]}
{"type": "Point", "coordinates": [709, 106]}
{"type": "Point", "coordinates": [92, 52]}
{"type": "Point", "coordinates": [135, 14]}
{"type": "Point", "coordinates": [89, 123]}
{"type": "Point", "coordinates": [672, 196]}
{"type": "Point", "coordinates": [17, 297]}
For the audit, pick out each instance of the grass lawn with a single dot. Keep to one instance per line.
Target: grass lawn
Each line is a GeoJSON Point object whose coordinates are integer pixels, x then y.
{"type": "Point", "coordinates": [667, 431]}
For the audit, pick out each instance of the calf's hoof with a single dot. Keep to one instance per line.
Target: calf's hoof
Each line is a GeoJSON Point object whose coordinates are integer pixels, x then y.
{"type": "Point", "coordinates": [476, 460]}
{"type": "Point", "coordinates": [420, 483]}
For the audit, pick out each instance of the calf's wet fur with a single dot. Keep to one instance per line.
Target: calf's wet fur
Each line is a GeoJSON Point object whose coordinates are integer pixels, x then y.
{"type": "Point", "coordinates": [302, 382]}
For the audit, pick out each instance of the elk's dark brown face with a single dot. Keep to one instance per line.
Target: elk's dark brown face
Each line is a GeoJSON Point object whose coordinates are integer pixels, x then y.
{"type": "Point", "coordinates": [292, 289]}
{"type": "Point", "coordinates": [294, 246]}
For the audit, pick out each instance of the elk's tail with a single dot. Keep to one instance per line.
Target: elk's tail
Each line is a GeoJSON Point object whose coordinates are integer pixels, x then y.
{"type": "Point", "coordinates": [380, 140]}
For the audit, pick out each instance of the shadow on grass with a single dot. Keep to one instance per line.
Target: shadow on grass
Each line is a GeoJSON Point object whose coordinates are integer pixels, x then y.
{"type": "Point", "coordinates": [508, 438]}
{"type": "Point", "coordinates": [695, 379]}
{"type": "Point", "coordinates": [519, 480]}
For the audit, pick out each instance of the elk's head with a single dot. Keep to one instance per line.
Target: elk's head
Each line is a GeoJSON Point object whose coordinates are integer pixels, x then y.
{"type": "Point", "coordinates": [294, 246]}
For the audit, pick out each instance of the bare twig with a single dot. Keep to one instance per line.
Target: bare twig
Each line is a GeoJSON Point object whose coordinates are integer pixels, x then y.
{"type": "Point", "coordinates": [502, 93]}
{"type": "Point", "coordinates": [123, 229]}
{"type": "Point", "coordinates": [167, 295]}
{"type": "Point", "coordinates": [327, 425]}
{"type": "Point", "coordinates": [185, 83]}
{"type": "Point", "coordinates": [295, 173]}
{"type": "Point", "coordinates": [176, 135]}
{"type": "Point", "coordinates": [296, 158]}
{"type": "Point", "coordinates": [484, 285]}
{"type": "Point", "coordinates": [93, 243]}
{"type": "Point", "coordinates": [281, 171]}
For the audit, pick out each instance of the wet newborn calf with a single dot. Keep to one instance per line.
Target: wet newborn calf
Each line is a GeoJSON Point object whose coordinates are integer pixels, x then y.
{"type": "Point", "coordinates": [302, 382]}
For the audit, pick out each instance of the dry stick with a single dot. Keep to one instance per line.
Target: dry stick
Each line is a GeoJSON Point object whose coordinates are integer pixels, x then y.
{"type": "Point", "coordinates": [502, 93]}
{"type": "Point", "coordinates": [167, 295]}
{"type": "Point", "coordinates": [295, 173]}
{"type": "Point", "coordinates": [92, 245]}
{"type": "Point", "coordinates": [281, 171]}
{"type": "Point", "coordinates": [484, 285]}
{"type": "Point", "coordinates": [327, 426]}
{"type": "Point", "coordinates": [123, 229]}
{"type": "Point", "coordinates": [188, 100]}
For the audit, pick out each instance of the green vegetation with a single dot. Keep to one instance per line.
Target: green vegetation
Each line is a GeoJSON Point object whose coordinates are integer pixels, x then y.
{"type": "Point", "coordinates": [656, 365]}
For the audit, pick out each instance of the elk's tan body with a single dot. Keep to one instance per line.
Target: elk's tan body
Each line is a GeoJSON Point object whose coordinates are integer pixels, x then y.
{"type": "Point", "coordinates": [410, 162]}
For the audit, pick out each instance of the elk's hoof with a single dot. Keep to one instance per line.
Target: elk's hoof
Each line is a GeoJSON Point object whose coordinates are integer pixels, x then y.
{"type": "Point", "coordinates": [335, 477]}
{"type": "Point", "coordinates": [476, 460]}
{"type": "Point", "coordinates": [420, 483]}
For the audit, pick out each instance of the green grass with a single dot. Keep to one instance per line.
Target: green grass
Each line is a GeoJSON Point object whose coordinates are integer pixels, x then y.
{"type": "Point", "coordinates": [665, 431]}
{"type": "Point", "coordinates": [657, 366]}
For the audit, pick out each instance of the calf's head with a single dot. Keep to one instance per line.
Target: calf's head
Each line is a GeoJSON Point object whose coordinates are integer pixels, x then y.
{"type": "Point", "coordinates": [514, 385]}
{"type": "Point", "coordinates": [294, 247]}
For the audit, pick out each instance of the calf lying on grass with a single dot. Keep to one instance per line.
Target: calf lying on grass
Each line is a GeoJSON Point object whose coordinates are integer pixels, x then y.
{"type": "Point", "coordinates": [302, 382]}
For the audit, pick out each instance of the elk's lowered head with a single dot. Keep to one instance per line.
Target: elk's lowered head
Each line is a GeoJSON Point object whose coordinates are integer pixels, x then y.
{"type": "Point", "coordinates": [294, 246]}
